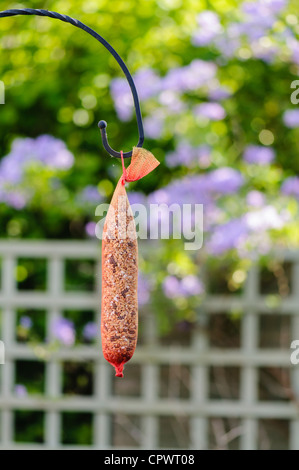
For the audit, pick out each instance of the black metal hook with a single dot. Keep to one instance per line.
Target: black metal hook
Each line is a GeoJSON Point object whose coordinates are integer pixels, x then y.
{"type": "Point", "coordinates": [102, 124]}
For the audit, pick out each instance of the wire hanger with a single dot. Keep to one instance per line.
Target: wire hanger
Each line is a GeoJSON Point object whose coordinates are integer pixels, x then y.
{"type": "Point", "coordinates": [102, 124]}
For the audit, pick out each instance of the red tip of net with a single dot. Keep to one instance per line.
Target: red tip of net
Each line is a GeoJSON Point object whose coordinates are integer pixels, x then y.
{"type": "Point", "coordinates": [119, 369]}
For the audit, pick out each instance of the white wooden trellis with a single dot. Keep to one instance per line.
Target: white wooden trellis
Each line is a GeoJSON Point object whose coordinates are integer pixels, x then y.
{"type": "Point", "coordinates": [149, 406]}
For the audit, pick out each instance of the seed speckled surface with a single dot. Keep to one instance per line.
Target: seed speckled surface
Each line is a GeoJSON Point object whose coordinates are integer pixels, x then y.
{"type": "Point", "coordinates": [119, 316]}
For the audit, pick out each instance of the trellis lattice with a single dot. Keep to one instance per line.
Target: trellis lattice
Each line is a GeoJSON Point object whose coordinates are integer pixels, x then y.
{"type": "Point", "coordinates": [139, 407]}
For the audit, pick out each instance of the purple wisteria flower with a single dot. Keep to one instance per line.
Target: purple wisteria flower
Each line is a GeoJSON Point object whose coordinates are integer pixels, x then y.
{"type": "Point", "coordinates": [171, 287]}
{"type": "Point", "coordinates": [255, 198]}
{"type": "Point", "coordinates": [45, 150]}
{"type": "Point", "coordinates": [63, 330]}
{"type": "Point", "coordinates": [257, 154]}
{"type": "Point", "coordinates": [148, 84]}
{"type": "Point", "coordinates": [21, 390]}
{"type": "Point", "coordinates": [204, 156]}
{"type": "Point", "coordinates": [218, 93]}
{"type": "Point", "coordinates": [290, 186]}
{"type": "Point", "coordinates": [90, 194]}
{"type": "Point", "coordinates": [26, 322]}
{"type": "Point", "coordinates": [136, 197]}
{"type": "Point", "coordinates": [90, 229]}
{"type": "Point", "coordinates": [257, 21]}
{"type": "Point", "coordinates": [252, 228]}
{"type": "Point", "coordinates": [178, 80]}
{"type": "Point", "coordinates": [183, 155]}
{"type": "Point", "coordinates": [209, 27]}
{"type": "Point", "coordinates": [259, 14]}
{"type": "Point", "coordinates": [188, 286]}
{"type": "Point", "coordinates": [122, 97]}
{"type": "Point", "coordinates": [265, 53]}
{"type": "Point", "coordinates": [227, 236]}
{"type": "Point", "coordinates": [213, 111]}
{"type": "Point", "coordinates": [200, 189]}
{"type": "Point", "coordinates": [224, 180]}
{"type": "Point", "coordinates": [190, 77]}
{"type": "Point", "coordinates": [52, 152]}
{"type": "Point", "coordinates": [187, 155]}
{"type": "Point", "coordinates": [203, 189]}
{"type": "Point", "coordinates": [192, 285]}
{"type": "Point", "coordinates": [90, 331]}
{"type": "Point", "coordinates": [291, 118]}
{"type": "Point", "coordinates": [14, 198]}
{"type": "Point", "coordinates": [172, 102]}
{"type": "Point", "coordinates": [273, 5]}
{"type": "Point", "coordinates": [144, 289]}
{"type": "Point", "coordinates": [11, 170]}
{"type": "Point", "coordinates": [227, 45]}
{"type": "Point", "coordinates": [154, 124]}
{"type": "Point", "coordinates": [186, 190]}
{"type": "Point", "coordinates": [293, 45]}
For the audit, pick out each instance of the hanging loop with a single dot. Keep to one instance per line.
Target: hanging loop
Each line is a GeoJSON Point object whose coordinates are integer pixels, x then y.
{"type": "Point", "coordinates": [102, 124]}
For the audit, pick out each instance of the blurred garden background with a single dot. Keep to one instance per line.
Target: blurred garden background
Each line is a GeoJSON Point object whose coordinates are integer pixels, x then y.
{"type": "Point", "coordinates": [215, 84]}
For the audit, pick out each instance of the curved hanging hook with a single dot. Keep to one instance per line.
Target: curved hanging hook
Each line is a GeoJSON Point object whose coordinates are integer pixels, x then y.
{"type": "Point", "coordinates": [102, 124]}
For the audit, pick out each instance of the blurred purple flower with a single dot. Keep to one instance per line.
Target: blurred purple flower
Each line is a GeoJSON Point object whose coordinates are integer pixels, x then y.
{"type": "Point", "coordinates": [161, 196]}
{"type": "Point", "coordinates": [171, 287]}
{"type": "Point", "coordinates": [189, 77]}
{"type": "Point", "coordinates": [275, 5]}
{"type": "Point", "coordinates": [144, 289]}
{"type": "Point", "coordinates": [203, 155]}
{"type": "Point", "coordinates": [186, 155]}
{"type": "Point", "coordinates": [171, 100]}
{"type": "Point", "coordinates": [15, 199]}
{"type": "Point", "coordinates": [154, 124]}
{"type": "Point", "coordinates": [90, 331]}
{"type": "Point", "coordinates": [209, 27]}
{"type": "Point", "coordinates": [293, 45]}
{"type": "Point", "coordinates": [183, 155]}
{"type": "Point", "coordinates": [255, 198]}
{"type": "Point", "coordinates": [192, 285]}
{"type": "Point", "coordinates": [212, 110]}
{"type": "Point", "coordinates": [90, 229]}
{"type": "Point", "coordinates": [63, 330]}
{"type": "Point", "coordinates": [186, 287]}
{"type": "Point", "coordinates": [258, 20]}
{"type": "Point", "coordinates": [21, 390]}
{"type": "Point", "coordinates": [11, 170]}
{"type": "Point", "coordinates": [290, 186]}
{"type": "Point", "coordinates": [199, 189]}
{"type": "Point", "coordinates": [227, 45]}
{"type": "Point", "coordinates": [258, 154]}
{"type": "Point", "coordinates": [90, 194]}
{"type": "Point", "coordinates": [227, 236]}
{"type": "Point", "coordinates": [26, 322]}
{"type": "Point", "coordinates": [122, 97]}
{"type": "Point", "coordinates": [187, 190]}
{"type": "Point", "coordinates": [218, 93]}
{"type": "Point", "coordinates": [265, 53]}
{"type": "Point", "coordinates": [259, 14]}
{"type": "Point", "coordinates": [291, 118]}
{"type": "Point", "coordinates": [136, 197]}
{"type": "Point", "coordinates": [224, 180]}
{"type": "Point", "coordinates": [52, 152]}
{"type": "Point", "coordinates": [147, 82]}
{"type": "Point", "coordinates": [45, 149]}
